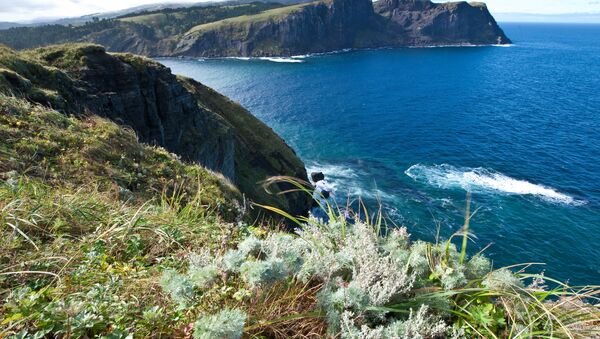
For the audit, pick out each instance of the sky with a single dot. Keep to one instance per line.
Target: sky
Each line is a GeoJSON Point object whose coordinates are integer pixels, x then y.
{"type": "Point", "coordinates": [24, 10]}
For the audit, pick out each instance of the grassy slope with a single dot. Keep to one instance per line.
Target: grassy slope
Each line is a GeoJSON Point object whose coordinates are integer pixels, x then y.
{"type": "Point", "coordinates": [101, 216]}
{"type": "Point", "coordinates": [200, 14]}
{"type": "Point", "coordinates": [273, 14]}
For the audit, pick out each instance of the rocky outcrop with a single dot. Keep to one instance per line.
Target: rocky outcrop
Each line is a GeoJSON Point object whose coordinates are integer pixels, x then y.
{"type": "Point", "coordinates": [418, 22]}
{"type": "Point", "coordinates": [182, 115]}
{"type": "Point", "coordinates": [338, 24]}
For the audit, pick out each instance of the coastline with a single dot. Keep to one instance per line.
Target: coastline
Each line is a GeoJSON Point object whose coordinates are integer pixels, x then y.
{"type": "Point", "coordinates": [299, 57]}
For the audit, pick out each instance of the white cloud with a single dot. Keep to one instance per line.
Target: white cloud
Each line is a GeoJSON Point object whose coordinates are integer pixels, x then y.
{"type": "Point", "coordinates": [26, 10]}
{"type": "Point", "coordinates": [543, 6]}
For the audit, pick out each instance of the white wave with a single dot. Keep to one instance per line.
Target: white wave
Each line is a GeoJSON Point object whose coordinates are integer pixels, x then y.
{"type": "Point", "coordinates": [281, 59]}
{"type": "Point", "coordinates": [462, 45]}
{"type": "Point", "coordinates": [484, 180]}
{"type": "Point", "coordinates": [236, 58]}
{"type": "Point", "coordinates": [347, 181]}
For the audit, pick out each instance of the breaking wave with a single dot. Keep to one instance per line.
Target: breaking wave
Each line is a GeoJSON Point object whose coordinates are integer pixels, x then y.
{"type": "Point", "coordinates": [279, 59]}
{"type": "Point", "coordinates": [484, 180]}
{"type": "Point", "coordinates": [347, 181]}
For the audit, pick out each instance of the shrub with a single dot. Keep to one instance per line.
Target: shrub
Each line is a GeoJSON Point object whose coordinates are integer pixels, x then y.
{"type": "Point", "coordinates": [227, 324]}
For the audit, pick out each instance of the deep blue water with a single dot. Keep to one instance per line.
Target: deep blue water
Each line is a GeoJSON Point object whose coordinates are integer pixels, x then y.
{"type": "Point", "coordinates": [416, 128]}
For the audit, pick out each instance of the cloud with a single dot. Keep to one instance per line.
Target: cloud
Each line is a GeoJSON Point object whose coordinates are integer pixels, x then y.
{"type": "Point", "coordinates": [28, 10]}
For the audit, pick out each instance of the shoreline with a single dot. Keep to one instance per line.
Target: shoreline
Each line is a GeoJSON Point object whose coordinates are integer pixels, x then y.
{"type": "Point", "coordinates": [296, 58]}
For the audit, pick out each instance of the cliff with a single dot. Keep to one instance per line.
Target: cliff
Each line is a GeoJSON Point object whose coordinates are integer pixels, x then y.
{"type": "Point", "coordinates": [416, 23]}
{"type": "Point", "coordinates": [181, 115]}
{"type": "Point", "coordinates": [306, 28]}
{"type": "Point", "coordinates": [260, 29]}
{"type": "Point", "coordinates": [330, 25]}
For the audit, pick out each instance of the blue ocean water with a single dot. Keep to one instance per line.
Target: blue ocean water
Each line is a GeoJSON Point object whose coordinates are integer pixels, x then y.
{"type": "Point", "coordinates": [415, 129]}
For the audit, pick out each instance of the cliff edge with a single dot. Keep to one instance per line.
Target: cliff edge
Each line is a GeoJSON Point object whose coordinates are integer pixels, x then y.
{"type": "Point", "coordinates": [179, 114]}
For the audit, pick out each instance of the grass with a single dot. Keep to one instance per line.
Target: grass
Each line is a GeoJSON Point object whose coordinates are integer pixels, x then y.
{"type": "Point", "coordinates": [258, 144]}
{"type": "Point", "coordinates": [173, 22]}
{"type": "Point", "coordinates": [273, 14]}
{"type": "Point", "coordinates": [48, 76]}
{"type": "Point", "coordinates": [89, 219]}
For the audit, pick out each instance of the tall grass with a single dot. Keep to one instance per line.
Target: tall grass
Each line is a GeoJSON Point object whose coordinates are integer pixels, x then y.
{"type": "Point", "coordinates": [506, 302]}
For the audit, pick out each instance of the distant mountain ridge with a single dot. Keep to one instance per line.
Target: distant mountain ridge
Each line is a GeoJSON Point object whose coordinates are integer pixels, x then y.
{"type": "Point", "coordinates": [273, 29]}
{"type": "Point", "coordinates": [584, 18]}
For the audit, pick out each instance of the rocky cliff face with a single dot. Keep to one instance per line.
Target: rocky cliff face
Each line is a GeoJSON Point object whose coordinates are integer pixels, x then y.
{"type": "Point", "coordinates": [308, 28]}
{"type": "Point", "coordinates": [418, 22]}
{"type": "Point", "coordinates": [179, 114]}
{"type": "Point", "coordinates": [339, 24]}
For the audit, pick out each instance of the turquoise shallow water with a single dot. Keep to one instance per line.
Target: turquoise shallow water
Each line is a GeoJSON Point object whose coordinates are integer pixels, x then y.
{"type": "Point", "coordinates": [415, 129]}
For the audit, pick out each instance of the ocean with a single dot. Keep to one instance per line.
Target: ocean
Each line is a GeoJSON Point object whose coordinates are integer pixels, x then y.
{"type": "Point", "coordinates": [413, 130]}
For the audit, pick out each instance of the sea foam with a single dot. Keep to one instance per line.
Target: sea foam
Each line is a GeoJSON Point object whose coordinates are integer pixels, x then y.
{"type": "Point", "coordinates": [280, 59]}
{"type": "Point", "coordinates": [484, 180]}
{"type": "Point", "coordinates": [348, 181]}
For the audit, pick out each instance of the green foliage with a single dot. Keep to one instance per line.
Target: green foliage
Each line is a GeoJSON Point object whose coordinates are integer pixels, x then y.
{"type": "Point", "coordinates": [43, 143]}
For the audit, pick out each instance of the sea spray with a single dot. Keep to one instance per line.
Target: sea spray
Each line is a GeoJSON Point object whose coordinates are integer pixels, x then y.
{"type": "Point", "coordinates": [484, 180]}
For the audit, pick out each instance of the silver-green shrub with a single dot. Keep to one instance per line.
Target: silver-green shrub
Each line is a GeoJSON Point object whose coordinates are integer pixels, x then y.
{"type": "Point", "coordinates": [361, 272]}
{"type": "Point", "coordinates": [227, 324]}
{"type": "Point", "coordinates": [179, 287]}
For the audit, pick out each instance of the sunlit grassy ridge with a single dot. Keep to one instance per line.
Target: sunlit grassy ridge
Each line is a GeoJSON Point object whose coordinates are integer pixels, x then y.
{"type": "Point", "coordinates": [272, 14]}
{"type": "Point", "coordinates": [101, 236]}
{"type": "Point", "coordinates": [178, 21]}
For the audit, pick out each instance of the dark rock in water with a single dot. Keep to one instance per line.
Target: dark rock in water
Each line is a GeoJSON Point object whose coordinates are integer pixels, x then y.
{"type": "Point", "coordinates": [317, 176]}
{"type": "Point", "coordinates": [179, 114]}
{"type": "Point", "coordinates": [314, 27]}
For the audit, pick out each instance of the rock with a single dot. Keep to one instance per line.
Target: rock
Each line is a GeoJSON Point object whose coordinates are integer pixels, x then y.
{"type": "Point", "coordinates": [340, 24]}
{"type": "Point", "coordinates": [313, 27]}
{"type": "Point", "coordinates": [317, 176]}
{"type": "Point", "coordinates": [420, 23]}
{"type": "Point", "coordinates": [179, 114]}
